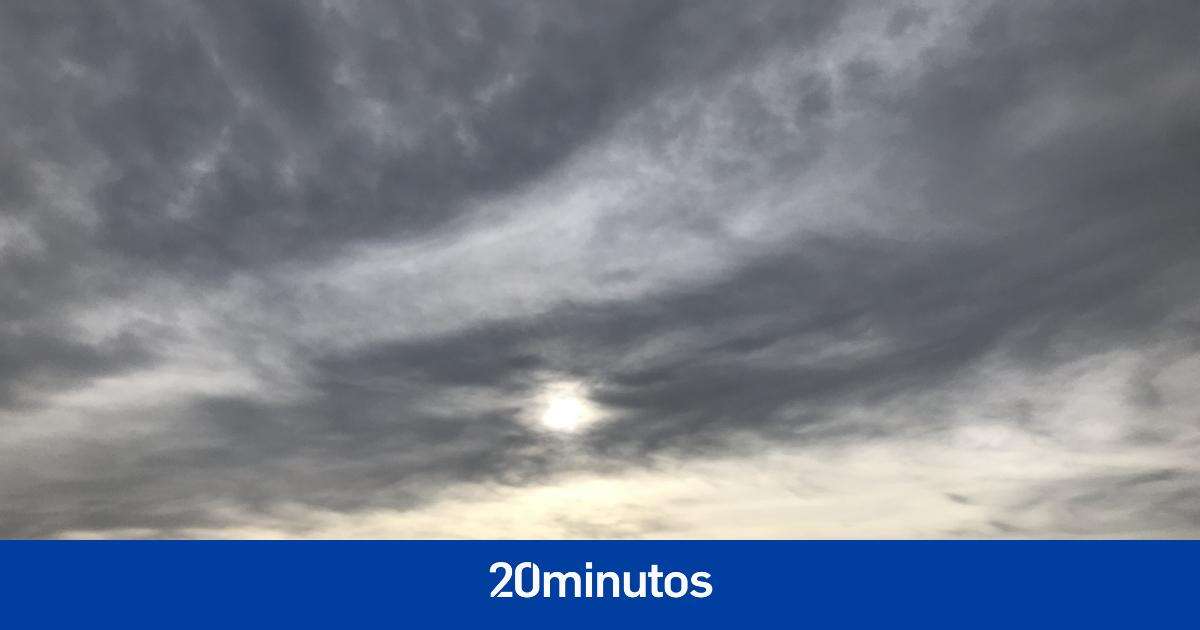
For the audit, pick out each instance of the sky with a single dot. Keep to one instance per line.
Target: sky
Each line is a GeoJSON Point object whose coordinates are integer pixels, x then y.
{"type": "Point", "coordinates": [632, 268]}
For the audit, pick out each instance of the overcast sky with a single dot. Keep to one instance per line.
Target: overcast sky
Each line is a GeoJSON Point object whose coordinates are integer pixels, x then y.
{"type": "Point", "coordinates": [600, 269]}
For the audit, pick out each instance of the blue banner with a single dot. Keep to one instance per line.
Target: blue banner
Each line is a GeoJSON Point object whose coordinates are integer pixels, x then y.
{"type": "Point", "coordinates": [669, 584]}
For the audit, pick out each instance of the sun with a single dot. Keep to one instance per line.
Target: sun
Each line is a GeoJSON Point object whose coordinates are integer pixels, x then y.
{"type": "Point", "coordinates": [563, 413]}
{"type": "Point", "coordinates": [565, 409]}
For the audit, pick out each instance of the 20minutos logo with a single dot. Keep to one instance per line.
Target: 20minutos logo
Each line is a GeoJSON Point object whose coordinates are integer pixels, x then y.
{"type": "Point", "coordinates": [528, 580]}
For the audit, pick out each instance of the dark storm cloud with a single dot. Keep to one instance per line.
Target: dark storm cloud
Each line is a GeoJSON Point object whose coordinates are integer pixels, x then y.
{"type": "Point", "coordinates": [46, 361]}
{"type": "Point", "coordinates": [346, 449]}
{"type": "Point", "coordinates": [257, 111]}
{"type": "Point", "coordinates": [173, 174]}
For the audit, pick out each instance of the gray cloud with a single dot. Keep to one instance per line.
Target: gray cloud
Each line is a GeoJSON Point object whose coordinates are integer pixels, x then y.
{"type": "Point", "coordinates": [280, 260]}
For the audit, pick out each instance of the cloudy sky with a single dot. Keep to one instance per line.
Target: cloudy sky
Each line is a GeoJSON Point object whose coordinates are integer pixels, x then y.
{"type": "Point", "coordinates": [600, 269]}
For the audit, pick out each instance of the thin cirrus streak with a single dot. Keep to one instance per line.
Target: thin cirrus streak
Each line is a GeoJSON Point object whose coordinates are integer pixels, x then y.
{"type": "Point", "coordinates": [631, 269]}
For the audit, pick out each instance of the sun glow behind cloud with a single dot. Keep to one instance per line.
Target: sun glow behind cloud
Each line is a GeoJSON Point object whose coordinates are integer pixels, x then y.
{"type": "Point", "coordinates": [563, 407]}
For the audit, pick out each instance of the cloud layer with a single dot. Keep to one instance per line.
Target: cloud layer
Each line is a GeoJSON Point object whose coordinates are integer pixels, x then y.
{"type": "Point", "coordinates": [793, 269]}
